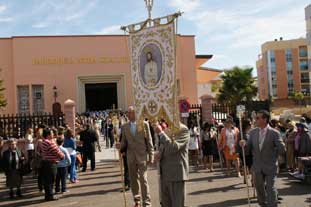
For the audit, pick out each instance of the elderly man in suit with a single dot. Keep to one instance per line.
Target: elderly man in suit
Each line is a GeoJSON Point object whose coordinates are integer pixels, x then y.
{"type": "Point", "coordinates": [265, 143]}
{"type": "Point", "coordinates": [174, 166]}
{"type": "Point", "coordinates": [139, 147]}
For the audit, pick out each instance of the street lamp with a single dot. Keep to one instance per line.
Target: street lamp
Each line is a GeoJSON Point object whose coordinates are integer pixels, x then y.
{"type": "Point", "coordinates": [55, 94]}
{"type": "Point", "coordinates": [149, 4]}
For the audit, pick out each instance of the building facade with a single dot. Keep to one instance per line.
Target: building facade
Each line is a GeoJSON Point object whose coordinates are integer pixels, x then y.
{"type": "Point", "coordinates": [308, 32]}
{"type": "Point", "coordinates": [282, 69]}
{"type": "Point", "coordinates": [209, 81]}
{"type": "Point", "coordinates": [94, 71]}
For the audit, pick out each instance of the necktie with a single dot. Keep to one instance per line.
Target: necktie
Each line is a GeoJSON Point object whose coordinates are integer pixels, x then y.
{"type": "Point", "coordinates": [13, 166]}
{"type": "Point", "coordinates": [261, 138]}
{"type": "Point", "coordinates": [133, 129]}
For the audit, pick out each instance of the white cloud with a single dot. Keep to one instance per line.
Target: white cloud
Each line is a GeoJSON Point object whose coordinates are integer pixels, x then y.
{"type": "Point", "coordinates": [114, 29]}
{"type": "Point", "coordinates": [6, 19]}
{"type": "Point", "coordinates": [185, 5]}
{"type": "Point", "coordinates": [40, 25]}
{"type": "Point", "coordinates": [61, 12]}
{"type": "Point", "coordinates": [237, 30]}
{"type": "Point", "coordinates": [2, 8]}
{"type": "Point", "coordinates": [80, 11]}
{"type": "Point", "coordinates": [253, 31]}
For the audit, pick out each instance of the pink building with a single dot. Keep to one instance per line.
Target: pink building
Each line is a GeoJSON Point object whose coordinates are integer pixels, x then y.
{"type": "Point", "coordinates": [94, 71]}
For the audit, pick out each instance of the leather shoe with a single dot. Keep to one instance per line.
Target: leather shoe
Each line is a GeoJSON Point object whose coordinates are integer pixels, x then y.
{"type": "Point", "coordinates": [127, 188]}
{"type": "Point", "coordinates": [11, 194]}
{"type": "Point", "coordinates": [51, 199]}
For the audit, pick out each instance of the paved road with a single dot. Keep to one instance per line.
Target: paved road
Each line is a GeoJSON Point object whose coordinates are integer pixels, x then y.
{"type": "Point", "coordinates": [205, 189]}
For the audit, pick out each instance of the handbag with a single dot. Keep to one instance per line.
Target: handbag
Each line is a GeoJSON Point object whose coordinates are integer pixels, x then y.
{"type": "Point", "coordinates": [79, 159]}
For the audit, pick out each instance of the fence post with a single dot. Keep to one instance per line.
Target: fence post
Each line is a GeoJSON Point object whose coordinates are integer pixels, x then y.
{"type": "Point", "coordinates": [70, 114]}
{"type": "Point", "coordinates": [207, 112]}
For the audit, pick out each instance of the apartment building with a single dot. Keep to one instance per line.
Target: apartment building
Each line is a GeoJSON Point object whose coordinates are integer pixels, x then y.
{"type": "Point", "coordinates": [282, 68]}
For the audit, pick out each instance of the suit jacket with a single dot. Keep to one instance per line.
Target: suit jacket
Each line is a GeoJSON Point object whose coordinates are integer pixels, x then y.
{"type": "Point", "coordinates": [265, 160]}
{"type": "Point", "coordinates": [174, 164]}
{"type": "Point", "coordinates": [138, 147]}
{"type": "Point", "coordinates": [7, 160]}
{"type": "Point", "coordinates": [88, 137]}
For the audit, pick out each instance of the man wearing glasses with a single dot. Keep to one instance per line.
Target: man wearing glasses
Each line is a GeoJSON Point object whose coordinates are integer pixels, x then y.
{"type": "Point", "coordinates": [266, 144]}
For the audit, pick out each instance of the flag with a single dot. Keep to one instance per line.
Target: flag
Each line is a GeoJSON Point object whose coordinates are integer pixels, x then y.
{"type": "Point", "coordinates": [153, 70]}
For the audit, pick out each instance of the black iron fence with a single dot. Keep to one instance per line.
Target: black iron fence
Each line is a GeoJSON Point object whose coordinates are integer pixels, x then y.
{"type": "Point", "coordinates": [195, 114]}
{"type": "Point", "coordinates": [16, 125]}
{"type": "Point", "coordinates": [221, 111]}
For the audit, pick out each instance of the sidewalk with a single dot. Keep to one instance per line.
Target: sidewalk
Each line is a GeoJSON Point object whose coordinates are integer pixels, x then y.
{"type": "Point", "coordinates": [106, 154]}
{"type": "Point", "coordinates": [204, 189]}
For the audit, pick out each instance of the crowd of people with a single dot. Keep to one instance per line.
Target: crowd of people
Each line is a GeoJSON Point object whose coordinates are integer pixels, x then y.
{"type": "Point", "coordinates": [221, 141]}
{"type": "Point", "coordinates": [54, 155]}
{"type": "Point", "coordinates": [270, 146]}
{"type": "Point", "coordinates": [51, 155]}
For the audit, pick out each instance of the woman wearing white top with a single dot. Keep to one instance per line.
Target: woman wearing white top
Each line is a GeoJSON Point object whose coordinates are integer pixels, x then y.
{"type": "Point", "coordinates": [194, 146]}
{"type": "Point", "coordinates": [29, 147]}
{"type": "Point", "coordinates": [228, 143]}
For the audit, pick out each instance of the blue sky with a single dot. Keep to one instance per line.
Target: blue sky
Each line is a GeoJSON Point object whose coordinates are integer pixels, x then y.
{"type": "Point", "coordinates": [232, 31]}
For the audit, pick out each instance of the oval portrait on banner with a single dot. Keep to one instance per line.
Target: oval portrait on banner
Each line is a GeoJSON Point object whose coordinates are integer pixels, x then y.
{"type": "Point", "coordinates": [151, 64]}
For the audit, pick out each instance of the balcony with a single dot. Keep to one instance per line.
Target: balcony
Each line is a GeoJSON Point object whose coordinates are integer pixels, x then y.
{"type": "Point", "coordinates": [303, 52]}
{"type": "Point", "coordinates": [304, 67]}
{"type": "Point", "coordinates": [305, 80]}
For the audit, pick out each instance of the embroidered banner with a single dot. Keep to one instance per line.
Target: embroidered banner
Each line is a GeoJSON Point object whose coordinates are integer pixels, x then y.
{"type": "Point", "coordinates": [153, 69]}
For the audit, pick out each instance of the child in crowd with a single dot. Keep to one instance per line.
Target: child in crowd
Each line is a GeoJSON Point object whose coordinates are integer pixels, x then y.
{"type": "Point", "coordinates": [62, 168]}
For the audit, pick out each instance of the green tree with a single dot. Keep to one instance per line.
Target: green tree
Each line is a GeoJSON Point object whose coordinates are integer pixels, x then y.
{"type": "Point", "coordinates": [298, 96]}
{"type": "Point", "coordinates": [237, 85]}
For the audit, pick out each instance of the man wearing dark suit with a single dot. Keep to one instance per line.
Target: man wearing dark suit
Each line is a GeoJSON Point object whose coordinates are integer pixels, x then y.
{"type": "Point", "coordinates": [13, 160]}
{"type": "Point", "coordinates": [174, 166]}
{"type": "Point", "coordinates": [139, 149]}
{"type": "Point", "coordinates": [265, 144]}
{"type": "Point", "coordinates": [88, 137]}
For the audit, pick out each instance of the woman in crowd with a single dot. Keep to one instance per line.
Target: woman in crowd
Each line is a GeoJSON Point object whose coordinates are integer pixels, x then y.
{"type": "Point", "coordinates": [38, 158]}
{"type": "Point", "coordinates": [194, 145]}
{"type": "Point", "coordinates": [246, 127]}
{"type": "Point", "coordinates": [290, 146]}
{"type": "Point", "coordinates": [302, 146]}
{"type": "Point", "coordinates": [209, 146]}
{"type": "Point", "coordinates": [29, 148]}
{"type": "Point", "coordinates": [70, 145]}
{"type": "Point", "coordinates": [228, 144]}
{"type": "Point", "coordinates": [302, 140]}
{"type": "Point", "coordinates": [13, 160]}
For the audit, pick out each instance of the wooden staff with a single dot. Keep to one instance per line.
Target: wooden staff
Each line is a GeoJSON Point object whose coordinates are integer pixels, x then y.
{"type": "Point", "coordinates": [157, 143]}
{"type": "Point", "coordinates": [115, 123]}
{"type": "Point", "coordinates": [244, 162]}
{"type": "Point", "coordinates": [122, 177]}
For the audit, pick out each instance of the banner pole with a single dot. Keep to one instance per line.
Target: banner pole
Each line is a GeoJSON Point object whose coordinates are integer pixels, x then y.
{"type": "Point", "coordinates": [244, 161]}
{"type": "Point", "coordinates": [116, 136]}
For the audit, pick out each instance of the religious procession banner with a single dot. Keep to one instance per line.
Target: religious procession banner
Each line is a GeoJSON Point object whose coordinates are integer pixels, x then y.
{"type": "Point", "coordinates": [153, 70]}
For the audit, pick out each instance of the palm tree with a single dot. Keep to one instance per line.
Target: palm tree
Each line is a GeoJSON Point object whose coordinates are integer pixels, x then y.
{"type": "Point", "coordinates": [237, 85]}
